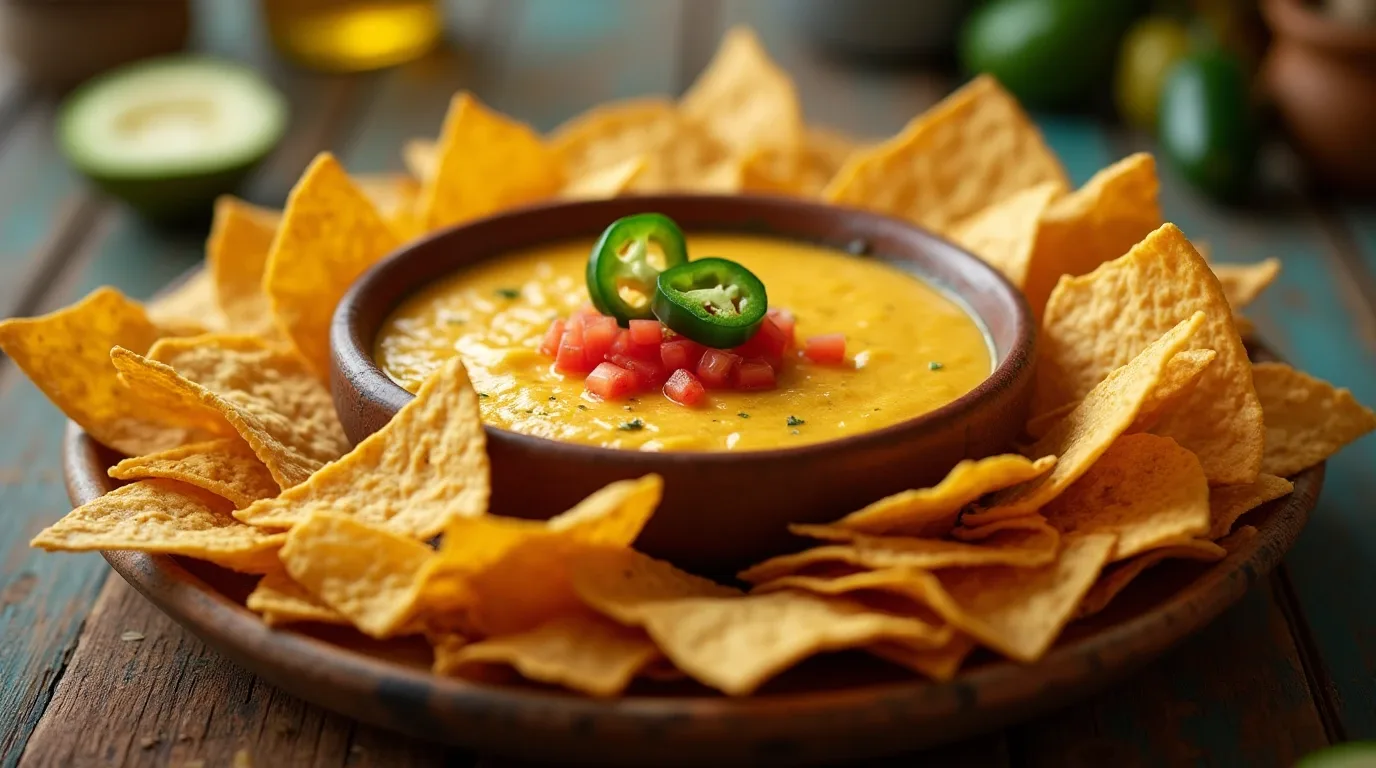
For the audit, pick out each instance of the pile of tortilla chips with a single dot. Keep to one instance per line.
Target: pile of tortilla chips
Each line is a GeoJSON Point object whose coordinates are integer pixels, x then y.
{"type": "Point", "coordinates": [1151, 432]}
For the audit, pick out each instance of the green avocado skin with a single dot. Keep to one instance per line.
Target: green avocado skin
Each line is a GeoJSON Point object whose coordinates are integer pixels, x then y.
{"type": "Point", "coordinates": [1207, 126]}
{"type": "Point", "coordinates": [1048, 53]}
{"type": "Point", "coordinates": [1353, 754]}
{"type": "Point", "coordinates": [172, 199]}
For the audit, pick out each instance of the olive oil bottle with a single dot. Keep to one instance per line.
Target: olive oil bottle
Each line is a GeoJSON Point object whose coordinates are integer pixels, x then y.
{"type": "Point", "coordinates": [353, 35]}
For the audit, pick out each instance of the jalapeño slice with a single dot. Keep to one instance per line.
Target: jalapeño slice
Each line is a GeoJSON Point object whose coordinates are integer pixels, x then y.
{"type": "Point", "coordinates": [712, 301]}
{"type": "Point", "coordinates": [621, 260]}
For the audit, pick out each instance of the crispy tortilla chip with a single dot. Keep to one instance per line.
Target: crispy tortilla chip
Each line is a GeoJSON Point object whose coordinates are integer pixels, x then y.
{"type": "Point", "coordinates": [623, 583]}
{"type": "Point", "coordinates": [1229, 502]}
{"type": "Point", "coordinates": [420, 157]}
{"type": "Point", "coordinates": [972, 150]}
{"type": "Point", "coordinates": [164, 517]}
{"type": "Point", "coordinates": [236, 258]}
{"type": "Point", "coordinates": [367, 574]}
{"type": "Point", "coordinates": [1097, 322]}
{"type": "Point", "coordinates": [486, 163]}
{"type": "Point", "coordinates": [689, 160]}
{"type": "Point", "coordinates": [932, 512]}
{"type": "Point", "coordinates": [226, 467]}
{"type": "Point", "coordinates": [744, 98]}
{"type": "Point", "coordinates": [940, 664]}
{"type": "Point", "coordinates": [1181, 376]}
{"type": "Point", "coordinates": [1245, 327]}
{"type": "Point", "coordinates": [1307, 419]}
{"type": "Point", "coordinates": [189, 308]}
{"type": "Point", "coordinates": [609, 181]}
{"type": "Point", "coordinates": [584, 652]}
{"type": "Point", "coordinates": [67, 355]}
{"type": "Point", "coordinates": [396, 197]}
{"type": "Point", "coordinates": [426, 466]}
{"type": "Point", "coordinates": [1117, 577]}
{"type": "Point", "coordinates": [330, 234]}
{"type": "Point", "coordinates": [1004, 234]}
{"type": "Point", "coordinates": [263, 391]}
{"type": "Point", "coordinates": [282, 601]}
{"type": "Point", "coordinates": [1243, 283]}
{"type": "Point", "coordinates": [974, 529]}
{"type": "Point", "coordinates": [1082, 437]}
{"type": "Point", "coordinates": [610, 133]}
{"type": "Point", "coordinates": [804, 171]}
{"type": "Point", "coordinates": [1015, 611]}
{"type": "Point", "coordinates": [1096, 223]}
{"type": "Point", "coordinates": [1145, 490]}
{"type": "Point", "coordinates": [1020, 548]}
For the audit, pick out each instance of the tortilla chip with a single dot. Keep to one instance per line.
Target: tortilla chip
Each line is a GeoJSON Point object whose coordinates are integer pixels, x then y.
{"type": "Point", "coordinates": [609, 181]}
{"type": "Point", "coordinates": [610, 133]}
{"type": "Point", "coordinates": [583, 652]}
{"type": "Point", "coordinates": [188, 308]}
{"type": "Point", "coordinates": [972, 150]}
{"type": "Point", "coordinates": [622, 583]}
{"type": "Point", "coordinates": [424, 467]}
{"type": "Point", "coordinates": [1015, 611]}
{"type": "Point", "coordinates": [420, 157]}
{"type": "Point", "coordinates": [1117, 577]}
{"type": "Point", "coordinates": [262, 391]}
{"type": "Point", "coordinates": [688, 160]}
{"type": "Point", "coordinates": [226, 467]}
{"type": "Point", "coordinates": [1097, 322]}
{"type": "Point", "coordinates": [975, 529]}
{"type": "Point", "coordinates": [744, 98]}
{"type": "Point", "coordinates": [282, 601]}
{"type": "Point", "coordinates": [1243, 283]}
{"type": "Point", "coordinates": [236, 258]}
{"type": "Point", "coordinates": [1307, 419]}
{"type": "Point", "coordinates": [1245, 327]}
{"type": "Point", "coordinates": [1229, 502]}
{"type": "Point", "coordinates": [1020, 548]}
{"type": "Point", "coordinates": [1004, 235]}
{"type": "Point", "coordinates": [1145, 490]}
{"type": "Point", "coordinates": [803, 171]}
{"type": "Point", "coordinates": [66, 354]}
{"type": "Point", "coordinates": [940, 664]}
{"type": "Point", "coordinates": [395, 196]}
{"type": "Point", "coordinates": [164, 517]}
{"type": "Point", "coordinates": [330, 234]}
{"type": "Point", "coordinates": [1179, 380]}
{"type": "Point", "coordinates": [1082, 437]}
{"type": "Point", "coordinates": [486, 163]}
{"type": "Point", "coordinates": [367, 574]}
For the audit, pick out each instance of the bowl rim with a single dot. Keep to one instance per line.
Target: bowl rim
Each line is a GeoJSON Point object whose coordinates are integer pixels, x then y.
{"type": "Point", "coordinates": [353, 359]}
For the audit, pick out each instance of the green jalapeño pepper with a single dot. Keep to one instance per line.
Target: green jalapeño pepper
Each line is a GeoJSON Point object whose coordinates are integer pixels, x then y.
{"type": "Point", "coordinates": [716, 302]}
{"type": "Point", "coordinates": [621, 261]}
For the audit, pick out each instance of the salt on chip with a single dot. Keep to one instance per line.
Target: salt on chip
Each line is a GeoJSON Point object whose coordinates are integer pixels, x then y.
{"type": "Point", "coordinates": [940, 664]}
{"type": "Point", "coordinates": [1097, 322]}
{"type": "Point", "coordinates": [189, 307]}
{"type": "Point", "coordinates": [365, 573]}
{"type": "Point", "coordinates": [485, 162]}
{"type": "Point", "coordinates": [605, 182]}
{"type": "Point", "coordinates": [279, 600]}
{"type": "Point", "coordinates": [67, 355]}
{"type": "Point", "coordinates": [583, 652]}
{"type": "Point", "coordinates": [330, 234]}
{"type": "Point", "coordinates": [424, 467]}
{"type": "Point", "coordinates": [1243, 283]}
{"type": "Point", "coordinates": [236, 258]}
{"type": "Point", "coordinates": [1117, 577]}
{"type": "Point", "coordinates": [1019, 548]}
{"type": "Point", "coordinates": [263, 391]}
{"type": "Point", "coordinates": [970, 151]}
{"type": "Point", "coordinates": [744, 98]}
{"type": "Point", "coordinates": [1081, 438]}
{"type": "Point", "coordinates": [1098, 222]}
{"type": "Point", "coordinates": [1229, 502]}
{"type": "Point", "coordinates": [164, 517]}
{"type": "Point", "coordinates": [1181, 375]}
{"type": "Point", "coordinates": [1145, 490]}
{"type": "Point", "coordinates": [1307, 419]}
{"type": "Point", "coordinates": [1004, 235]}
{"type": "Point", "coordinates": [226, 467]}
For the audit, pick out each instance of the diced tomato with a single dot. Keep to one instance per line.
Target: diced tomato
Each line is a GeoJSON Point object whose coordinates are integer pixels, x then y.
{"type": "Point", "coordinates": [625, 345]}
{"type": "Point", "coordinates": [570, 358]}
{"type": "Point", "coordinates": [716, 366]}
{"type": "Point", "coordinates": [646, 332]}
{"type": "Point", "coordinates": [681, 353]}
{"type": "Point", "coordinates": [610, 382]}
{"type": "Point", "coordinates": [648, 373]}
{"type": "Point", "coordinates": [829, 349]}
{"type": "Point", "coordinates": [550, 344]}
{"type": "Point", "coordinates": [785, 322]}
{"type": "Point", "coordinates": [587, 310]}
{"type": "Point", "coordinates": [573, 329]}
{"type": "Point", "coordinates": [598, 334]}
{"type": "Point", "coordinates": [755, 374]}
{"type": "Point", "coordinates": [684, 388]}
{"type": "Point", "coordinates": [769, 343]}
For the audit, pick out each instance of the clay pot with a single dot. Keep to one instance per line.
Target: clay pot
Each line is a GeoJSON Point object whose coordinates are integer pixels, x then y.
{"type": "Point", "coordinates": [1321, 73]}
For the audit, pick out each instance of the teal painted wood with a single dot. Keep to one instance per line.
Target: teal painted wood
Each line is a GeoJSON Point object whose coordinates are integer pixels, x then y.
{"type": "Point", "coordinates": [1082, 144]}
{"type": "Point", "coordinates": [1360, 219]}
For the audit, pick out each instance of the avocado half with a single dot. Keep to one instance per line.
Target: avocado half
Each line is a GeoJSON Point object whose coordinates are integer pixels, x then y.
{"type": "Point", "coordinates": [168, 135]}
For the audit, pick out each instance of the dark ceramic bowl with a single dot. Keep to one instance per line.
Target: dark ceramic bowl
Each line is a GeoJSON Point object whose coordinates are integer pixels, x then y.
{"type": "Point", "coordinates": [537, 477]}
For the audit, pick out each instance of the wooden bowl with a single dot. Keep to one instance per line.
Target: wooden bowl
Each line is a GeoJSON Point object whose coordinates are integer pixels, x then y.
{"type": "Point", "coordinates": [533, 476]}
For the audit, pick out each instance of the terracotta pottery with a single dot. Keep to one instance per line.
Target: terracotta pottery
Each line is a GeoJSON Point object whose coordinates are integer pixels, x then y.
{"type": "Point", "coordinates": [537, 477]}
{"type": "Point", "coordinates": [1321, 72]}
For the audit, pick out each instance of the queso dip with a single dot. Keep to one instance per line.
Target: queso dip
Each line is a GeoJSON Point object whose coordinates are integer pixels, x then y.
{"type": "Point", "coordinates": [909, 349]}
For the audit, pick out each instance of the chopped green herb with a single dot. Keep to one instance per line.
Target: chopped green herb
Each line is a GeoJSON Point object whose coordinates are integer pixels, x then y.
{"type": "Point", "coordinates": [627, 408]}
{"type": "Point", "coordinates": [934, 366]}
{"type": "Point", "coordinates": [482, 394]}
{"type": "Point", "coordinates": [582, 407]}
{"type": "Point", "coordinates": [743, 415]}
{"type": "Point", "coordinates": [634, 425]}
{"type": "Point", "coordinates": [794, 421]}
{"type": "Point", "coordinates": [552, 398]}
{"type": "Point", "coordinates": [509, 293]}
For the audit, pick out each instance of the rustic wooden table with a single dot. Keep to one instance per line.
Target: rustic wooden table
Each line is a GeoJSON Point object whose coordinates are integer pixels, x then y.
{"type": "Point", "coordinates": [92, 674]}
